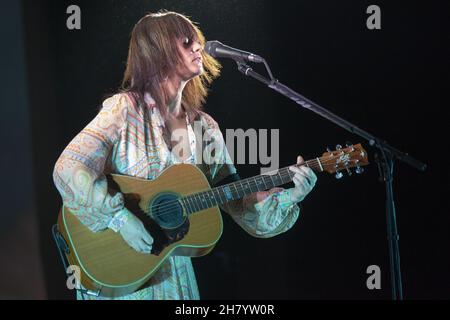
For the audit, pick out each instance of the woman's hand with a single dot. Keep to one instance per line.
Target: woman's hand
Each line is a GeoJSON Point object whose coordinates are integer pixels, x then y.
{"type": "Point", "coordinates": [269, 206]}
{"type": "Point", "coordinates": [304, 180]}
{"type": "Point", "coordinates": [135, 234]}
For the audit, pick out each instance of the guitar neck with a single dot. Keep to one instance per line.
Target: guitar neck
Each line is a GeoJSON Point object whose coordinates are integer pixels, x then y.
{"type": "Point", "coordinates": [238, 189]}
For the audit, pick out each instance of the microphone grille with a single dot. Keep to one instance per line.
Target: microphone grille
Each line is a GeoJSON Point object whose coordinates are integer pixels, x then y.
{"type": "Point", "coordinates": [210, 47]}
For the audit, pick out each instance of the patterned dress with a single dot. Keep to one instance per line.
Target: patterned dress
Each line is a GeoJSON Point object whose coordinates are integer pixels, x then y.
{"type": "Point", "coordinates": [129, 139]}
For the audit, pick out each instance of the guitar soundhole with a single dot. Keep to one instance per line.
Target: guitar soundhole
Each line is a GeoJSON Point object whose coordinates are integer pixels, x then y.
{"type": "Point", "coordinates": [167, 211]}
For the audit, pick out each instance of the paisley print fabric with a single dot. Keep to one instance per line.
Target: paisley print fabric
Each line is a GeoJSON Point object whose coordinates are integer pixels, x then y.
{"type": "Point", "coordinates": [127, 138]}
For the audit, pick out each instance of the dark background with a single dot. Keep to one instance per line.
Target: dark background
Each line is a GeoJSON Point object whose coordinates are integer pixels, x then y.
{"type": "Point", "coordinates": [391, 82]}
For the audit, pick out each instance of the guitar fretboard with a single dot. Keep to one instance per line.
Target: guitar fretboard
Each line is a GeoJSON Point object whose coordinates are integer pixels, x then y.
{"type": "Point", "coordinates": [238, 189]}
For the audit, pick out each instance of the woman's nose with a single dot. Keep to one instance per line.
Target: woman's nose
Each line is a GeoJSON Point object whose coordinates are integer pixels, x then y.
{"type": "Point", "coordinates": [197, 47]}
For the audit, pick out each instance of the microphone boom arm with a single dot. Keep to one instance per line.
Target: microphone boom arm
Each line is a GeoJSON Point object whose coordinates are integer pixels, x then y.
{"type": "Point", "coordinates": [388, 153]}
{"type": "Point", "coordinates": [308, 104]}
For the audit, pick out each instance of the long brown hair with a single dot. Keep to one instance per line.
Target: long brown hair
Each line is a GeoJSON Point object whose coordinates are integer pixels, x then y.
{"type": "Point", "coordinates": [153, 53]}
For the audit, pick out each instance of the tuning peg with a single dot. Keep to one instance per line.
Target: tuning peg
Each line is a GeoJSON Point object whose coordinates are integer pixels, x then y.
{"type": "Point", "coordinates": [349, 172]}
{"type": "Point", "coordinates": [338, 147]}
{"type": "Point", "coordinates": [338, 175]}
{"type": "Point", "coordinates": [359, 170]}
{"type": "Point", "coordinates": [328, 149]}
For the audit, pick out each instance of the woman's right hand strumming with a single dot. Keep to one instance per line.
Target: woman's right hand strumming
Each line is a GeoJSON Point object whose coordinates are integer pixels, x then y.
{"type": "Point", "coordinates": [135, 234]}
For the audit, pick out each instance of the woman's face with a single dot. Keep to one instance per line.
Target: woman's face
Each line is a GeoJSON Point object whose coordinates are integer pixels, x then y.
{"type": "Point", "coordinates": [192, 64]}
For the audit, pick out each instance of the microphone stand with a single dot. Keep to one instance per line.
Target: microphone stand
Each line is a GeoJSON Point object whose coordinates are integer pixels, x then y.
{"type": "Point", "coordinates": [385, 164]}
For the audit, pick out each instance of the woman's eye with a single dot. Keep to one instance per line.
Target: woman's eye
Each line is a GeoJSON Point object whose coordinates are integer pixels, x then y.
{"type": "Point", "coordinates": [187, 41]}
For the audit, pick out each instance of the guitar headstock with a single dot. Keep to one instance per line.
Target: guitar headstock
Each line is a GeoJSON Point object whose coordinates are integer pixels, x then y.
{"type": "Point", "coordinates": [353, 156]}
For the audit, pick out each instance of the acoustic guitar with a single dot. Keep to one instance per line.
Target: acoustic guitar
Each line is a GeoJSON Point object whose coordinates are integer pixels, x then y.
{"type": "Point", "coordinates": [181, 212]}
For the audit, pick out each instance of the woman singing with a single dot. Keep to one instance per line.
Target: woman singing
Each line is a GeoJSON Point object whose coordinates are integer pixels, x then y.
{"type": "Point", "coordinates": [163, 90]}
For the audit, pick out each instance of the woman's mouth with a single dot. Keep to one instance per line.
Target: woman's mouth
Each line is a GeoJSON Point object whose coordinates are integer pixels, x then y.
{"type": "Point", "coordinates": [198, 60]}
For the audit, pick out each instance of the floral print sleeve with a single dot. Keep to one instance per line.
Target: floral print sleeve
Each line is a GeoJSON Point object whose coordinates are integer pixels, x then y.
{"type": "Point", "coordinates": [79, 171]}
{"type": "Point", "coordinates": [264, 224]}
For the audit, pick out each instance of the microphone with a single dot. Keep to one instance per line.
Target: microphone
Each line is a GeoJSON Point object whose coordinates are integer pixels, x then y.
{"type": "Point", "coordinates": [217, 49]}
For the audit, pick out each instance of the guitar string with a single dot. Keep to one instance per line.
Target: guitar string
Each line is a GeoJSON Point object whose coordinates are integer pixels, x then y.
{"type": "Point", "coordinates": [251, 182]}
{"type": "Point", "coordinates": [175, 203]}
{"type": "Point", "coordinates": [168, 206]}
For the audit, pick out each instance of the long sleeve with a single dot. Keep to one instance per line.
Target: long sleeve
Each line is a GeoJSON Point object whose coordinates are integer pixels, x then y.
{"type": "Point", "coordinates": [79, 171]}
{"type": "Point", "coordinates": [264, 224]}
{"type": "Point", "coordinates": [257, 222]}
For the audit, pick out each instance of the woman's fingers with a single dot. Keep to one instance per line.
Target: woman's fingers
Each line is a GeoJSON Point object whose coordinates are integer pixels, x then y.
{"type": "Point", "coordinates": [146, 241]}
{"type": "Point", "coordinates": [304, 179]}
{"type": "Point", "coordinates": [144, 247]}
{"type": "Point", "coordinates": [261, 195]}
{"type": "Point", "coordinates": [301, 183]}
{"type": "Point", "coordinates": [135, 245]}
{"type": "Point", "coordinates": [309, 174]}
{"type": "Point", "coordinates": [300, 175]}
{"type": "Point", "coordinates": [275, 190]}
{"type": "Point", "coordinates": [306, 173]}
{"type": "Point", "coordinates": [147, 238]}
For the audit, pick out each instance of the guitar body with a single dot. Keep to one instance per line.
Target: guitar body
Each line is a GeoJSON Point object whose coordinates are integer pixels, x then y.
{"type": "Point", "coordinates": [112, 268]}
{"type": "Point", "coordinates": [180, 211]}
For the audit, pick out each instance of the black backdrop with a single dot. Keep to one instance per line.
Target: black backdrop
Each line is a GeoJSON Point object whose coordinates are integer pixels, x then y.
{"type": "Point", "coordinates": [390, 82]}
